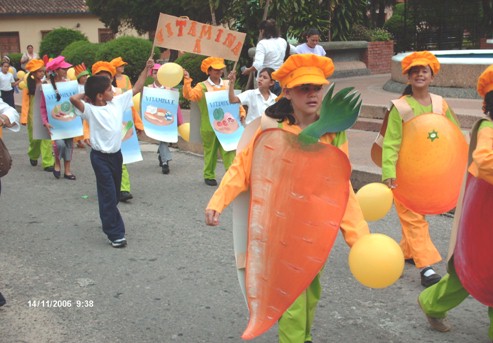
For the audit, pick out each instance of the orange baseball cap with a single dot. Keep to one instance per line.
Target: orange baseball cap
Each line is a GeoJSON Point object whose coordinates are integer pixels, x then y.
{"type": "Point", "coordinates": [420, 58]}
{"type": "Point", "coordinates": [301, 69]}
{"type": "Point", "coordinates": [34, 65]}
{"type": "Point", "coordinates": [212, 62]}
{"type": "Point", "coordinates": [103, 66]}
{"type": "Point", "coordinates": [485, 82]}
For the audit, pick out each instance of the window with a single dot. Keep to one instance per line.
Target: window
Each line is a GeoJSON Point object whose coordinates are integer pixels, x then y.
{"type": "Point", "coordinates": [105, 35]}
{"type": "Point", "coordinates": [9, 43]}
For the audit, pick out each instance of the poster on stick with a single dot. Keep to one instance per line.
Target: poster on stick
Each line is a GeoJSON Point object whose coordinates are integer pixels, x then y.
{"type": "Point", "coordinates": [183, 34]}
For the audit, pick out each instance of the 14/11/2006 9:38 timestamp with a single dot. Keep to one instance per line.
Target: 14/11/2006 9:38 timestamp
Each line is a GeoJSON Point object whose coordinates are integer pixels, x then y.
{"type": "Point", "coordinates": [47, 303]}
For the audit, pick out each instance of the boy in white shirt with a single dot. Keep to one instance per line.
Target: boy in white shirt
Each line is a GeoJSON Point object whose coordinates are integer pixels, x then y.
{"type": "Point", "coordinates": [104, 113]}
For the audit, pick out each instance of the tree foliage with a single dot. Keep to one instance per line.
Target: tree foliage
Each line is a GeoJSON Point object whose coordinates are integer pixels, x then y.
{"type": "Point", "coordinates": [55, 41]}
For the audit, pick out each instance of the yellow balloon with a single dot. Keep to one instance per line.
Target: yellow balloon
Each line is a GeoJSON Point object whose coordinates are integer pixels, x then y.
{"type": "Point", "coordinates": [71, 74]}
{"type": "Point", "coordinates": [375, 200]}
{"type": "Point", "coordinates": [21, 74]}
{"type": "Point", "coordinates": [376, 260]}
{"type": "Point", "coordinates": [170, 74]}
{"type": "Point", "coordinates": [136, 101]}
{"type": "Point", "coordinates": [11, 70]}
{"type": "Point", "coordinates": [22, 85]}
{"type": "Point", "coordinates": [184, 131]}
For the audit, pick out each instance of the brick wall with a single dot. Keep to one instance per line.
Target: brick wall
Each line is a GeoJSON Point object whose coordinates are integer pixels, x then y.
{"type": "Point", "coordinates": [484, 45]}
{"type": "Point", "coordinates": [378, 57]}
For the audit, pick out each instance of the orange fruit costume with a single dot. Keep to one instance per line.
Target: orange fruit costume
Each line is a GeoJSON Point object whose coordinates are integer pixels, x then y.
{"type": "Point", "coordinates": [300, 196]}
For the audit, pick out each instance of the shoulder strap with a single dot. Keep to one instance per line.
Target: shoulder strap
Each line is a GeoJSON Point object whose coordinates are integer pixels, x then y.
{"type": "Point", "coordinates": [268, 122]}
{"type": "Point", "coordinates": [437, 104]}
{"type": "Point", "coordinates": [209, 87]}
{"type": "Point", "coordinates": [404, 109]}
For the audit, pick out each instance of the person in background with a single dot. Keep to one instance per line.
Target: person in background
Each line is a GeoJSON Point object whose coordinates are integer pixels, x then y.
{"type": "Point", "coordinates": [37, 147]}
{"type": "Point", "coordinates": [7, 84]}
{"type": "Point", "coordinates": [122, 83]}
{"type": "Point", "coordinates": [164, 153]}
{"type": "Point", "coordinates": [213, 67]}
{"type": "Point", "coordinates": [28, 56]}
{"type": "Point", "coordinates": [257, 100]}
{"type": "Point", "coordinates": [81, 75]}
{"type": "Point", "coordinates": [271, 51]}
{"type": "Point", "coordinates": [62, 148]}
{"type": "Point", "coordinates": [312, 37]}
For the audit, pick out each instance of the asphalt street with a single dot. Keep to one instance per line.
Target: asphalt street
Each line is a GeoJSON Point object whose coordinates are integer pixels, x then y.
{"type": "Point", "coordinates": [176, 280]}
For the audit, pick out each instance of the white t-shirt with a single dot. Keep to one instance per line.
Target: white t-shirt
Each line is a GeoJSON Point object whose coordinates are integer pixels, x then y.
{"type": "Point", "coordinates": [270, 53]}
{"type": "Point", "coordinates": [12, 114]}
{"type": "Point", "coordinates": [106, 122]}
{"type": "Point", "coordinates": [6, 81]}
{"type": "Point", "coordinates": [256, 103]}
{"type": "Point", "coordinates": [305, 49]}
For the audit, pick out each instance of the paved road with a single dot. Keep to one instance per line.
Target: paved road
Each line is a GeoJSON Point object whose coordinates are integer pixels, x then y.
{"type": "Point", "coordinates": [175, 282]}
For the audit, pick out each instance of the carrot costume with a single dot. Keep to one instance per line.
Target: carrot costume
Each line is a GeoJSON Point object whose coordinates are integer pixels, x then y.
{"type": "Point", "coordinates": [299, 201]}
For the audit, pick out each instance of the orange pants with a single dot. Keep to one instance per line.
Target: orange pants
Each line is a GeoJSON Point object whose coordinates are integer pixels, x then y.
{"type": "Point", "coordinates": [416, 241]}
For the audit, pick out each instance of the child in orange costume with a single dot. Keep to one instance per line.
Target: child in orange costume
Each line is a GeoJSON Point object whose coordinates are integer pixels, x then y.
{"type": "Point", "coordinates": [416, 244]}
{"type": "Point", "coordinates": [301, 77]}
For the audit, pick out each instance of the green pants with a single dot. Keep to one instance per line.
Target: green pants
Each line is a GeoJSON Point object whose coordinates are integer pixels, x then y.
{"type": "Point", "coordinates": [448, 293]}
{"type": "Point", "coordinates": [125, 186]}
{"type": "Point", "coordinates": [296, 323]}
{"type": "Point", "coordinates": [211, 146]}
{"type": "Point", "coordinates": [39, 147]}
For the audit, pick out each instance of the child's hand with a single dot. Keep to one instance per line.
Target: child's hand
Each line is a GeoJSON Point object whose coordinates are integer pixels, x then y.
{"type": "Point", "coordinates": [390, 183]}
{"type": "Point", "coordinates": [149, 63]}
{"type": "Point", "coordinates": [212, 217]}
{"type": "Point", "coordinates": [48, 127]}
{"type": "Point", "coordinates": [186, 75]}
{"type": "Point", "coordinates": [232, 77]}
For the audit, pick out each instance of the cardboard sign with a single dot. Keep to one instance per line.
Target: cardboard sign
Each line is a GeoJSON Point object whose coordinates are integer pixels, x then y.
{"type": "Point", "coordinates": [203, 39]}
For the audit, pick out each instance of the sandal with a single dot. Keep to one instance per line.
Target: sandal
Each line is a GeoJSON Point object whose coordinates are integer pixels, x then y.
{"type": "Point", "coordinates": [56, 173]}
{"type": "Point", "coordinates": [69, 177]}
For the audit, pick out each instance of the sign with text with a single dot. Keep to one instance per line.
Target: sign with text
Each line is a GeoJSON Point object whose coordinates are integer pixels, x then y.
{"type": "Point", "coordinates": [203, 39]}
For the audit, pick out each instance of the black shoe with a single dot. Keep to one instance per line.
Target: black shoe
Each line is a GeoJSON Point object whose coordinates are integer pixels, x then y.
{"type": "Point", "coordinates": [165, 168]}
{"type": "Point", "coordinates": [410, 261]}
{"type": "Point", "coordinates": [34, 163]}
{"type": "Point", "coordinates": [2, 300]}
{"type": "Point", "coordinates": [124, 196]}
{"type": "Point", "coordinates": [430, 280]}
{"type": "Point", "coordinates": [49, 169]}
{"type": "Point", "coordinates": [210, 182]}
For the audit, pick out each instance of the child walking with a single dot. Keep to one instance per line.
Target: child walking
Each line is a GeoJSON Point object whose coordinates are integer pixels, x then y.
{"type": "Point", "coordinates": [455, 286]}
{"type": "Point", "coordinates": [213, 67]}
{"type": "Point", "coordinates": [257, 99]}
{"type": "Point", "coordinates": [37, 147]}
{"type": "Point", "coordinates": [302, 78]}
{"type": "Point", "coordinates": [416, 244]}
{"type": "Point", "coordinates": [62, 148]}
{"type": "Point", "coordinates": [164, 153]}
{"type": "Point", "coordinates": [104, 113]}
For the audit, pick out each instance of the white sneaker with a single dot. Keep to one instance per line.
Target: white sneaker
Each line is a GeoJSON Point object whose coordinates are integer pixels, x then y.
{"type": "Point", "coordinates": [119, 243]}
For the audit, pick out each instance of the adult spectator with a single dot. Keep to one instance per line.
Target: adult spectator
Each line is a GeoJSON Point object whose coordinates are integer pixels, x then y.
{"type": "Point", "coordinates": [270, 52]}
{"type": "Point", "coordinates": [312, 37]}
{"type": "Point", "coordinates": [27, 56]}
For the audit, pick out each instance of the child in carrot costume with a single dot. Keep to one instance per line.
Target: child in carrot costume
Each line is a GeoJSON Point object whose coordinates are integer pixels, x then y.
{"type": "Point", "coordinates": [470, 256]}
{"type": "Point", "coordinates": [298, 172]}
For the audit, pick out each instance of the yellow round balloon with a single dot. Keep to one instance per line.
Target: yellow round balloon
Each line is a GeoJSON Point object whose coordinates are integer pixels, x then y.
{"type": "Point", "coordinates": [11, 70]}
{"type": "Point", "coordinates": [22, 85]}
{"type": "Point", "coordinates": [21, 74]}
{"type": "Point", "coordinates": [376, 260]}
{"type": "Point", "coordinates": [184, 131]}
{"type": "Point", "coordinates": [170, 74]}
{"type": "Point", "coordinates": [375, 200]}
{"type": "Point", "coordinates": [71, 74]}
{"type": "Point", "coordinates": [136, 101]}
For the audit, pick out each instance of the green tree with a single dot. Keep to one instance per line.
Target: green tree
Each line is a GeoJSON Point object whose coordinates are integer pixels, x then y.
{"type": "Point", "coordinates": [55, 41]}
